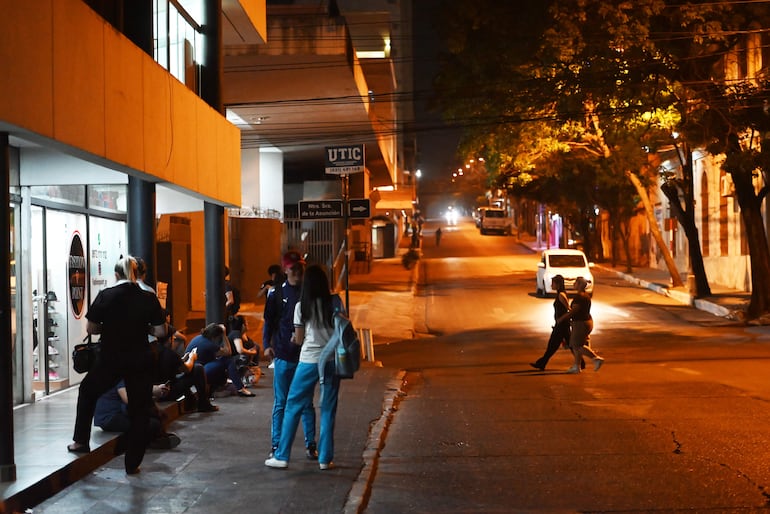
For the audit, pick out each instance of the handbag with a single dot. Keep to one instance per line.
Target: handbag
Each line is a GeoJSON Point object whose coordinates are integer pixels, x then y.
{"type": "Point", "coordinates": [85, 356]}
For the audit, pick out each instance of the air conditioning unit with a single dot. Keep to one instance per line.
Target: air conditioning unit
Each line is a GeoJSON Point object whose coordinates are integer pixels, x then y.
{"type": "Point", "coordinates": [726, 186]}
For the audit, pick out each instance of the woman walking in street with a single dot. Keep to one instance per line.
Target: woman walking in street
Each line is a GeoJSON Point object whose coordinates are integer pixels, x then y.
{"type": "Point", "coordinates": [582, 325]}
{"type": "Point", "coordinates": [561, 329]}
{"type": "Point", "coordinates": [123, 315]}
{"type": "Point", "coordinates": [313, 327]}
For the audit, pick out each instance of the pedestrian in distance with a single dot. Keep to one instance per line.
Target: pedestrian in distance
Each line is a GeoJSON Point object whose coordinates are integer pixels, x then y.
{"type": "Point", "coordinates": [582, 325]}
{"type": "Point", "coordinates": [277, 334]}
{"type": "Point", "coordinates": [438, 236]}
{"type": "Point", "coordinates": [313, 328]}
{"type": "Point", "coordinates": [561, 330]}
{"type": "Point", "coordinates": [122, 315]}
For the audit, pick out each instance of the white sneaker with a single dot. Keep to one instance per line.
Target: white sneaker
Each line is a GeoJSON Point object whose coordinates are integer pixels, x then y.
{"type": "Point", "coordinates": [574, 370]}
{"type": "Point", "coordinates": [324, 466]}
{"type": "Point", "coordinates": [598, 363]}
{"type": "Point", "coordinates": [272, 462]}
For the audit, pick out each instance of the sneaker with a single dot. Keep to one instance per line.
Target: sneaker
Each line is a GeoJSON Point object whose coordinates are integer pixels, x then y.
{"type": "Point", "coordinates": [165, 442]}
{"type": "Point", "coordinates": [598, 363]}
{"type": "Point", "coordinates": [573, 370]}
{"type": "Point", "coordinates": [323, 466]}
{"type": "Point", "coordinates": [272, 452]}
{"type": "Point", "coordinates": [272, 462]}
{"type": "Point", "coordinates": [311, 451]}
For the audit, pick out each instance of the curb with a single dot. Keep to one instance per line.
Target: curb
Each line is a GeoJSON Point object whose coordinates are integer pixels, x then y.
{"type": "Point", "coordinates": [359, 494]}
{"type": "Point", "coordinates": [683, 297]}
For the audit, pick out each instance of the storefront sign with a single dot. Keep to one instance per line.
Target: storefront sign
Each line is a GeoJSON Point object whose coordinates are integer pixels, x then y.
{"type": "Point", "coordinates": [77, 275]}
{"type": "Point", "coordinates": [344, 160]}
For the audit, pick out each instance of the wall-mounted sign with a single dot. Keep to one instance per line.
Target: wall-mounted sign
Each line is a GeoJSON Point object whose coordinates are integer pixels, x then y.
{"type": "Point", "coordinates": [344, 160]}
{"type": "Point", "coordinates": [359, 208]}
{"type": "Point", "coordinates": [76, 268]}
{"type": "Point", "coordinates": [320, 209]}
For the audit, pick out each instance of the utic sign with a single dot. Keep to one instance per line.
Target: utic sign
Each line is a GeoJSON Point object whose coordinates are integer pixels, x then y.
{"type": "Point", "coordinates": [344, 160]}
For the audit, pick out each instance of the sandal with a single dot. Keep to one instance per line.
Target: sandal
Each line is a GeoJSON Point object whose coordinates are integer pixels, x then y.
{"type": "Point", "coordinates": [78, 448]}
{"type": "Point", "coordinates": [247, 394]}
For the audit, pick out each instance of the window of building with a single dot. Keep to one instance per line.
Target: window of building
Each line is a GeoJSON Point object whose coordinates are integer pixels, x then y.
{"type": "Point", "coordinates": [178, 43]}
{"type": "Point", "coordinates": [70, 195]}
{"type": "Point", "coordinates": [108, 198]}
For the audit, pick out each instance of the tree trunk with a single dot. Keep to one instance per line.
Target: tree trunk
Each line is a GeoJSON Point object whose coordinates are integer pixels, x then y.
{"type": "Point", "coordinates": [676, 280]}
{"type": "Point", "coordinates": [626, 236]}
{"type": "Point", "coordinates": [759, 252]}
{"type": "Point", "coordinates": [687, 220]}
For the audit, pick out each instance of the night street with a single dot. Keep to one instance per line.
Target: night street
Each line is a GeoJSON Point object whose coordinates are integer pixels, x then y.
{"type": "Point", "coordinates": [675, 420]}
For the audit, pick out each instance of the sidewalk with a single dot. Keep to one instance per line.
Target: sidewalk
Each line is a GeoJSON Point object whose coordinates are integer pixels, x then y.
{"type": "Point", "coordinates": [238, 433]}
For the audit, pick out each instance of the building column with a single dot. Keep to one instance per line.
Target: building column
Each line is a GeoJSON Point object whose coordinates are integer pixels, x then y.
{"type": "Point", "coordinates": [211, 69]}
{"type": "Point", "coordinates": [137, 23]}
{"type": "Point", "coordinates": [214, 245]}
{"type": "Point", "coordinates": [141, 224]}
{"type": "Point", "coordinates": [214, 215]}
{"type": "Point", "coordinates": [7, 462]}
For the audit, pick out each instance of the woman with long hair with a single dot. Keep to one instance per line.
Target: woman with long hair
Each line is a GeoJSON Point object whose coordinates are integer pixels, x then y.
{"type": "Point", "coordinates": [313, 327]}
{"type": "Point", "coordinates": [582, 325]}
{"type": "Point", "coordinates": [561, 329]}
{"type": "Point", "coordinates": [123, 315]}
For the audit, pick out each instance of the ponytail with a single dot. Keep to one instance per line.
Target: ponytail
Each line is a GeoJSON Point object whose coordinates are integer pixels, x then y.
{"type": "Point", "coordinates": [126, 268]}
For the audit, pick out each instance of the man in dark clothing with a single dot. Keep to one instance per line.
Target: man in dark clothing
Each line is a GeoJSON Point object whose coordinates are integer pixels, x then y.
{"type": "Point", "coordinates": [122, 315]}
{"type": "Point", "coordinates": [277, 343]}
{"type": "Point", "coordinates": [111, 415]}
{"type": "Point", "coordinates": [181, 377]}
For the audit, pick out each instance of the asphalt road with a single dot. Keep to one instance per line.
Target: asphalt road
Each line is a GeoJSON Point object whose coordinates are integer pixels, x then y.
{"type": "Point", "coordinates": [676, 420]}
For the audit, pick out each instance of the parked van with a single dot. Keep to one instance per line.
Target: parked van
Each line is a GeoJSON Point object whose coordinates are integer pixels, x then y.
{"type": "Point", "coordinates": [495, 220]}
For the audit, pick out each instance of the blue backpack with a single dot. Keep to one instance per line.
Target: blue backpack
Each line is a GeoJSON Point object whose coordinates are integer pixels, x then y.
{"type": "Point", "coordinates": [344, 347]}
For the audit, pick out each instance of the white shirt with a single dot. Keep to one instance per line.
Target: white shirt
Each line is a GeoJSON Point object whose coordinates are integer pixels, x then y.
{"type": "Point", "coordinates": [316, 337]}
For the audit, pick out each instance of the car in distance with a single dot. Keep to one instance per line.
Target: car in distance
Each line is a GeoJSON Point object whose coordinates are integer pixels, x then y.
{"type": "Point", "coordinates": [570, 264]}
{"type": "Point", "coordinates": [495, 220]}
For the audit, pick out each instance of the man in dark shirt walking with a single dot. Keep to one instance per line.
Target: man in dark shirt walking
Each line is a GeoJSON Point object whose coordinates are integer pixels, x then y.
{"type": "Point", "coordinates": [278, 345]}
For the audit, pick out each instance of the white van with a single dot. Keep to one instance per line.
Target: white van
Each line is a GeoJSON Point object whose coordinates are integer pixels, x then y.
{"type": "Point", "coordinates": [495, 220]}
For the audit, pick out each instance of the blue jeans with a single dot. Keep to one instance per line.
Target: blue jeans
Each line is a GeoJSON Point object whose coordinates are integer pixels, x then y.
{"type": "Point", "coordinates": [300, 398]}
{"type": "Point", "coordinates": [283, 374]}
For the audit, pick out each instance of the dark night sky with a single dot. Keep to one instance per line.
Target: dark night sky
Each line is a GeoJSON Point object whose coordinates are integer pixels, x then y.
{"type": "Point", "coordinates": [436, 143]}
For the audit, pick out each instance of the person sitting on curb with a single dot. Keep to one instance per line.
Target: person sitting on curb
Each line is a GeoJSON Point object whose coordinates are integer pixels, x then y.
{"type": "Point", "coordinates": [111, 415]}
{"type": "Point", "coordinates": [215, 353]}
{"type": "Point", "coordinates": [247, 351]}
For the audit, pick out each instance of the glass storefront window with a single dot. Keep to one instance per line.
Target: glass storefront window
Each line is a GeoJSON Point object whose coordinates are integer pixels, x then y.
{"type": "Point", "coordinates": [109, 198]}
{"type": "Point", "coordinates": [71, 195]}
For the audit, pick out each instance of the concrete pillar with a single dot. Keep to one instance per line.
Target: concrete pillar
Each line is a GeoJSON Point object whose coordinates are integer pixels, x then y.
{"type": "Point", "coordinates": [141, 224]}
{"type": "Point", "coordinates": [214, 250]}
{"type": "Point", "coordinates": [7, 462]}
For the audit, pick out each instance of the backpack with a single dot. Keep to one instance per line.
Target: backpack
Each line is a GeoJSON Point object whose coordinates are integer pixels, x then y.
{"type": "Point", "coordinates": [344, 347]}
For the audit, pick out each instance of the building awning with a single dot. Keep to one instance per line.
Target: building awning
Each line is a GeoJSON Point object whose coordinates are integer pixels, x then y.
{"type": "Point", "coordinates": [393, 200]}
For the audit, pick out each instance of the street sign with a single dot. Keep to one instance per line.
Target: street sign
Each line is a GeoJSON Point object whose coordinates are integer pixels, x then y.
{"type": "Point", "coordinates": [320, 209]}
{"type": "Point", "coordinates": [344, 160]}
{"type": "Point", "coordinates": [359, 208]}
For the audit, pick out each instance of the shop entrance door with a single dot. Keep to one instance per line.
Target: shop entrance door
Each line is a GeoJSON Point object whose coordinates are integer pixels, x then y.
{"type": "Point", "coordinates": [58, 326]}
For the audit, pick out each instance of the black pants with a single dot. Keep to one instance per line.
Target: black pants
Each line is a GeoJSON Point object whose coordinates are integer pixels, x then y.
{"type": "Point", "coordinates": [135, 369]}
{"type": "Point", "coordinates": [182, 386]}
{"type": "Point", "coordinates": [559, 334]}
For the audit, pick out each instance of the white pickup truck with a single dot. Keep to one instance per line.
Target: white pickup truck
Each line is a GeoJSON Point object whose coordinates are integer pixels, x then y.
{"type": "Point", "coordinates": [495, 220]}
